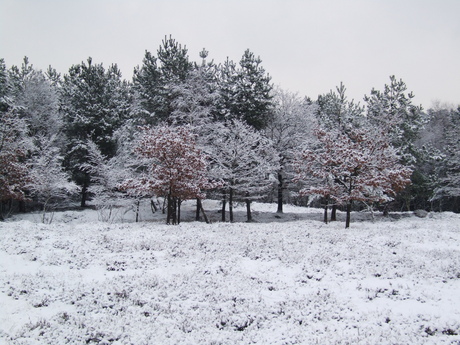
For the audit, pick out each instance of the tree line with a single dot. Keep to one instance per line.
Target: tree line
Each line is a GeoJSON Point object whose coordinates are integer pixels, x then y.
{"type": "Point", "coordinates": [184, 130]}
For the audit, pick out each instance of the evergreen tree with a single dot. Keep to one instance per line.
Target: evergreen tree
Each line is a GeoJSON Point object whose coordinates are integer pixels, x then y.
{"type": "Point", "coordinates": [226, 76]}
{"type": "Point", "coordinates": [246, 91]}
{"type": "Point", "coordinates": [4, 88]}
{"type": "Point", "coordinates": [195, 98]}
{"type": "Point", "coordinates": [335, 111]}
{"type": "Point", "coordinates": [94, 102]}
{"type": "Point", "coordinates": [392, 111]}
{"type": "Point", "coordinates": [146, 86]}
{"type": "Point", "coordinates": [447, 190]}
{"type": "Point", "coordinates": [154, 81]}
{"type": "Point", "coordinates": [36, 99]}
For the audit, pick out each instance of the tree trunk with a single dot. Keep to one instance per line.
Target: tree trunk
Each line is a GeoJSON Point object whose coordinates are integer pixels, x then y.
{"type": "Point", "coordinates": [198, 208]}
{"type": "Point", "coordinates": [204, 214]}
{"type": "Point", "coordinates": [347, 222]}
{"type": "Point", "coordinates": [22, 206]}
{"type": "Point", "coordinates": [385, 210]}
{"type": "Point", "coordinates": [174, 210]}
{"type": "Point", "coordinates": [224, 203]}
{"type": "Point", "coordinates": [165, 199]}
{"type": "Point", "coordinates": [280, 192]}
{"type": "Point", "coordinates": [325, 211]}
{"type": "Point", "coordinates": [248, 208]}
{"type": "Point", "coordinates": [169, 211]}
{"type": "Point", "coordinates": [230, 204]}
{"type": "Point", "coordinates": [137, 210]}
{"type": "Point", "coordinates": [84, 190]}
{"type": "Point", "coordinates": [179, 203]}
{"type": "Point", "coordinates": [334, 213]}
{"type": "Point", "coordinates": [153, 206]}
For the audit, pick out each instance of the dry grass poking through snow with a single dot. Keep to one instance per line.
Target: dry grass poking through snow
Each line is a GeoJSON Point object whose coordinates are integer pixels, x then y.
{"type": "Point", "coordinates": [292, 282]}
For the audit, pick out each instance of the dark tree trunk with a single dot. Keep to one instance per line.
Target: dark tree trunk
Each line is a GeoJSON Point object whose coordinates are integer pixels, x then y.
{"type": "Point", "coordinates": [385, 210]}
{"type": "Point", "coordinates": [230, 204]}
{"type": "Point", "coordinates": [22, 206]}
{"type": "Point", "coordinates": [153, 206]}
{"type": "Point", "coordinates": [137, 211]}
{"type": "Point", "coordinates": [84, 190]}
{"type": "Point", "coordinates": [179, 203]}
{"type": "Point", "coordinates": [325, 210]}
{"type": "Point", "coordinates": [174, 210]}
{"type": "Point", "coordinates": [280, 192]}
{"type": "Point", "coordinates": [204, 214]}
{"type": "Point", "coordinates": [2, 217]}
{"type": "Point", "coordinates": [169, 211]}
{"type": "Point", "coordinates": [347, 221]}
{"type": "Point", "coordinates": [198, 208]}
{"type": "Point", "coordinates": [224, 203]}
{"type": "Point", "coordinates": [334, 213]}
{"type": "Point", "coordinates": [165, 200]}
{"type": "Point", "coordinates": [248, 208]}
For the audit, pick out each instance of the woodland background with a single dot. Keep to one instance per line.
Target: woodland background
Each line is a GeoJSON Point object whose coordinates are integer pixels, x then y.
{"type": "Point", "coordinates": [188, 130]}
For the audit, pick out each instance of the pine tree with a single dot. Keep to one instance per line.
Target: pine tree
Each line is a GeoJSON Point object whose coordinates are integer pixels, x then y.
{"type": "Point", "coordinates": [447, 188]}
{"type": "Point", "coordinates": [4, 88]}
{"type": "Point", "coordinates": [246, 91]}
{"type": "Point", "coordinates": [392, 111]}
{"type": "Point", "coordinates": [95, 103]}
{"type": "Point", "coordinates": [36, 100]}
{"type": "Point", "coordinates": [335, 111]}
{"type": "Point", "coordinates": [154, 81]}
{"type": "Point", "coordinates": [195, 98]}
{"type": "Point", "coordinates": [226, 78]}
{"type": "Point", "coordinates": [146, 85]}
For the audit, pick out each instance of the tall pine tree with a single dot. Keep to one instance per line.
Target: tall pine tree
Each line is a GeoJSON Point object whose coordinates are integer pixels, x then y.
{"type": "Point", "coordinates": [155, 80]}
{"type": "Point", "coordinates": [392, 111]}
{"type": "Point", "coordinates": [246, 91]}
{"type": "Point", "coordinates": [94, 102]}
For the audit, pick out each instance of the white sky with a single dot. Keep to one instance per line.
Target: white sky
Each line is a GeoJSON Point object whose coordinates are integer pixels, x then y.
{"type": "Point", "coordinates": [308, 46]}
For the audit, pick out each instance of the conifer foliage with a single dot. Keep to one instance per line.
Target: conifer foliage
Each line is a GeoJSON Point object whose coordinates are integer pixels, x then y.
{"type": "Point", "coordinates": [246, 91]}
{"type": "Point", "coordinates": [447, 190]}
{"type": "Point", "coordinates": [216, 126]}
{"type": "Point", "coordinates": [95, 103]}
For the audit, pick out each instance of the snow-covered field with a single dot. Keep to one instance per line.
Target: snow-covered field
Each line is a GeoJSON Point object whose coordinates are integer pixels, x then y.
{"type": "Point", "coordinates": [286, 279]}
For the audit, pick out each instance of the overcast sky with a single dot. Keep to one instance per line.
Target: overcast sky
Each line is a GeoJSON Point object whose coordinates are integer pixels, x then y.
{"type": "Point", "coordinates": [307, 46]}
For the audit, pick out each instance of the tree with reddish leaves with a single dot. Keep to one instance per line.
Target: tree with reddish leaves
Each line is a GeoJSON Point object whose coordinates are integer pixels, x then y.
{"type": "Point", "coordinates": [356, 165]}
{"type": "Point", "coordinates": [177, 168]}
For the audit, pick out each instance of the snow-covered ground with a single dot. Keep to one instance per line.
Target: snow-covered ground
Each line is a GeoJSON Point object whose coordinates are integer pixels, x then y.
{"type": "Point", "coordinates": [286, 279]}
